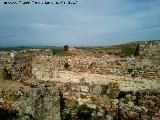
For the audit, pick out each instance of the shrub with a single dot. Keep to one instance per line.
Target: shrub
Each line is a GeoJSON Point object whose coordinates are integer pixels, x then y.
{"type": "Point", "coordinates": [7, 75]}
{"type": "Point", "coordinates": [66, 65]}
{"type": "Point", "coordinates": [130, 70]}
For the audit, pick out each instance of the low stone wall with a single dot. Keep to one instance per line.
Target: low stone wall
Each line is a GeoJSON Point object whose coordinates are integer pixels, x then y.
{"type": "Point", "coordinates": [19, 67]}
{"type": "Point", "coordinates": [150, 49]}
{"type": "Point", "coordinates": [106, 101]}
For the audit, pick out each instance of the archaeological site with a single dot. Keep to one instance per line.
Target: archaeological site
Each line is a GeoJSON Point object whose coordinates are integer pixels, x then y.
{"type": "Point", "coordinates": [81, 83]}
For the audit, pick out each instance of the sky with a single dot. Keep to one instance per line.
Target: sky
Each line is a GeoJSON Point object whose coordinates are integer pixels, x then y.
{"type": "Point", "coordinates": [86, 23]}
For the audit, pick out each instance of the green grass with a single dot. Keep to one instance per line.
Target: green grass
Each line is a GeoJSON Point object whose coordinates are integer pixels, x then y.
{"type": "Point", "coordinates": [122, 50]}
{"type": "Point", "coordinates": [60, 52]}
{"type": "Point", "coordinates": [126, 49]}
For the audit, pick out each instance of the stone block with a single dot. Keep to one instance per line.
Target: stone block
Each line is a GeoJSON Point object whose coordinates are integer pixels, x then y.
{"type": "Point", "coordinates": [97, 89]}
{"type": "Point", "coordinates": [84, 89]}
{"type": "Point", "coordinates": [41, 103]}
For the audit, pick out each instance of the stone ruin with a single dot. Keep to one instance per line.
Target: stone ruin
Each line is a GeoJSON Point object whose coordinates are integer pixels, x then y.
{"type": "Point", "coordinates": [19, 67]}
{"type": "Point", "coordinates": [77, 99]}
{"type": "Point", "coordinates": [40, 103]}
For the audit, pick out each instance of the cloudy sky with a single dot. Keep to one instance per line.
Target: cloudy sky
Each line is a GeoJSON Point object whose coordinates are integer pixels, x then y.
{"type": "Point", "coordinates": [88, 23]}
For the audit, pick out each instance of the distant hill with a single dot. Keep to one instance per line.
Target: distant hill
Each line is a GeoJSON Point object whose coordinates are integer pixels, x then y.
{"type": "Point", "coordinates": [17, 48]}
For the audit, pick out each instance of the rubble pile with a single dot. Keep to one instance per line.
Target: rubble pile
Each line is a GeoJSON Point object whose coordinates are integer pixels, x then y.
{"type": "Point", "coordinates": [89, 64]}
{"type": "Point", "coordinates": [140, 66]}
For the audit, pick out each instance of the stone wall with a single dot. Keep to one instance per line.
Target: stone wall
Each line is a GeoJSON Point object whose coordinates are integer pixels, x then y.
{"type": "Point", "coordinates": [150, 49]}
{"type": "Point", "coordinates": [106, 101]}
{"type": "Point", "coordinates": [101, 101]}
{"type": "Point", "coordinates": [42, 103]}
{"type": "Point", "coordinates": [38, 103]}
{"type": "Point", "coordinates": [19, 67]}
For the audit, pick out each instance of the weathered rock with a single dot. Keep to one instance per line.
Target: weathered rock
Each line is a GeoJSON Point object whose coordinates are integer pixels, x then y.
{"type": "Point", "coordinates": [85, 89]}
{"type": "Point", "coordinates": [1, 74]}
{"type": "Point", "coordinates": [41, 103]}
{"type": "Point", "coordinates": [113, 90]}
{"type": "Point", "coordinates": [97, 89]}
